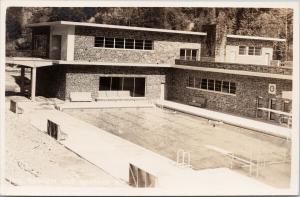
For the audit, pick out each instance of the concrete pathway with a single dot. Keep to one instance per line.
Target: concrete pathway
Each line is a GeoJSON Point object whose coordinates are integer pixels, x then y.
{"type": "Point", "coordinates": [229, 119]}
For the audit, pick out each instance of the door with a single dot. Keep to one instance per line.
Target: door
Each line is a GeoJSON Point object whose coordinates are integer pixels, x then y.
{"type": "Point", "coordinates": [272, 105]}
{"type": "Point", "coordinates": [267, 59]}
{"type": "Point", "coordinates": [56, 47]}
{"type": "Point", "coordinates": [162, 91]}
{"type": "Point", "coordinates": [232, 56]}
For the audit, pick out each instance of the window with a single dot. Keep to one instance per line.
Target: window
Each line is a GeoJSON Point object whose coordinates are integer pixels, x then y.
{"type": "Point", "coordinates": [116, 83]}
{"type": "Point", "coordinates": [136, 86]}
{"type": "Point", "coordinates": [109, 42]}
{"type": "Point", "coordinates": [257, 50]}
{"type": "Point", "coordinates": [148, 45]}
{"type": "Point", "coordinates": [251, 51]}
{"type": "Point", "coordinates": [204, 84]}
{"type": "Point", "coordinates": [232, 88]}
{"type": "Point", "coordinates": [119, 43]}
{"type": "Point", "coordinates": [242, 50]}
{"type": "Point", "coordinates": [99, 41]}
{"type": "Point", "coordinates": [139, 44]}
{"type": "Point", "coordinates": [225, 86]}
{"type": "Point", "coordinates": [254, 51]}
{"type": "Point", "coordinates": [104, 83]}
{"type": "Point", "coordinates": [188, 54]}
{"type": "Point", "coordinates": [211, 84]}
{"type": "Point", "coordinates": [218, 85]}
{"type": "Point", "coordinates": [286, 106]}
{"type": "Point", "coordinates": [123, 43]}
{"type": "Point", "coordinates": [129, 43]}
{"type": "Point", "coordinates": [139, 88]}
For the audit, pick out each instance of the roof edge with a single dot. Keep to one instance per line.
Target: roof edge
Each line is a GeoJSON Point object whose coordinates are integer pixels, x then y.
{"type": "Point", "coordinates": [256, 38]}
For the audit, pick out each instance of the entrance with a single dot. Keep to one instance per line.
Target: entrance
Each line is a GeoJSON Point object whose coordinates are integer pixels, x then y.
{"type": "Point", "coordinates": [56, 47]}
{"type": "Point", "coordinates": [272, 105]}
{"type": "Point", "coordinates": [267, 58]}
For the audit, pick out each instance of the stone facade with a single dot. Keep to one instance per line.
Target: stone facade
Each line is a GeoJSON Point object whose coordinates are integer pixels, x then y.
{"type": "Point", "coordinates": [166, 46]}
{"type": "Point", "coordinates": [242, 103]}
{"type": "Point", "coordinates": [60, 80]}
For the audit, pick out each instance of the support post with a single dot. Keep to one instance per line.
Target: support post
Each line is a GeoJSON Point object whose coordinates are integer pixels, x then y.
{"type": "Point", "coordinates": [22, 79]}
{"type": "Point", "coordinates": [33, 83]}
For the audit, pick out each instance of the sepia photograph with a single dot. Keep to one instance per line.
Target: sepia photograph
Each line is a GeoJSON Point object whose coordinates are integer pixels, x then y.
{"type": "Point", "coordinates": [148, 98]}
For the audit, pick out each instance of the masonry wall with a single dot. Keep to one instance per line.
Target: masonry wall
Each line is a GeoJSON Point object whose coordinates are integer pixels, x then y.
{"type": "Point", "coordinates": [86, 78]}
{"type": "Point", "coordinates": [243, 103]}
{"type": "Point", "coordinates": [166, 46]}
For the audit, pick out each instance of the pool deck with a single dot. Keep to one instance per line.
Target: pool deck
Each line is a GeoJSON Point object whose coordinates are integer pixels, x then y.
{"type": "Point", "coordinates": [255, 125]}
{"type": "Point", "coordinates": [113, 154]}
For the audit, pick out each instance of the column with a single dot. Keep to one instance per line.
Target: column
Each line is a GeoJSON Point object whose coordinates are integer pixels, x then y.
{"type": "Point", "coordinates": [22, 79]}
{"type": "Point", "coordinates": [33, 83]}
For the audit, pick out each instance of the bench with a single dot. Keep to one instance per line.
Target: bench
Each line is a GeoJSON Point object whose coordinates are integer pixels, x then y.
{"type": "Point", "coordinates": [198, 102]}
{"type": "Point", "coordinates": [81, 96]}
{"type": "Point", "coordinates": [119, 95]}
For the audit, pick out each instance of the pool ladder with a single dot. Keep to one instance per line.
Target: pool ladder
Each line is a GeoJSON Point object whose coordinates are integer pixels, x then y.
{"type": "Point", "coordinates": [183, 158]}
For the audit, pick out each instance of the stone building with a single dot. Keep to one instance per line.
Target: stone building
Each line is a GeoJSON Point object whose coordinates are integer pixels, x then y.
{"type": "Point", "coordinates": [227, 73]}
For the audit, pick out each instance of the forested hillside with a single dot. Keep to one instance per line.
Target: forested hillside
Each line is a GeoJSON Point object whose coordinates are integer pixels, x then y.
{"type": "Point", "coordinates": [265, 22]}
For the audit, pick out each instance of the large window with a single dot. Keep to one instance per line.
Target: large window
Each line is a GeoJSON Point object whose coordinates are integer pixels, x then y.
{"type": "Point", "coordinates": [188, 54]}
{"type": "Point", "coordinates": [212, 85]}
{"type": "Point", "coordinates": [135, 85]}
{"type": "Point", "coordinates": [123, 43]}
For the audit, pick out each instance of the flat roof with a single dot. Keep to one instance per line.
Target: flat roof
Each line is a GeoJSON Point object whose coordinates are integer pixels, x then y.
{"type": "Point", "coordinates": [255, 38]}
{"type": "Point", "coordinates": [116, 27]}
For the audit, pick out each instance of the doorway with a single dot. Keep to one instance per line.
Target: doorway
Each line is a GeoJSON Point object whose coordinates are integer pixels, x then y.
{"type": "Point", "coordinates": [267, 59]}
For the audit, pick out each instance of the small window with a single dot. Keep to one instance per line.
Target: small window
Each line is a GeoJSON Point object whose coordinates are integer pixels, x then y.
{"type": "Point", "coordinates": [119, 43]}
{"type": "Point", "coordinates": [225, 86]}
{"type": "Point", "coordinates": [211, 84]}
{"type": "Point", "coordinates": [129, 43]}
{"type": "Point", "coordinates": [251, 51]}
{"type": "Point", "coordinates": [99, 41]}
{"type": "Point", "coordinates": [194, 55]}
{"type": "Point", "coordinates": [148, 45]}
{"type": "Point", "coordinates": [232, 88]}
{"type": "Point", "coordinates": [109, 42]}
{"type": "Point", "coordinates": [257, 50]}
{"type": "Point", "coordinates": [242, 50]}
{"type": "Point", "coordinates": [139, 44]}
{"type": "Point", "coordinates": [218, 85]}
{"type": "Point", "coordinates": [204, 84]}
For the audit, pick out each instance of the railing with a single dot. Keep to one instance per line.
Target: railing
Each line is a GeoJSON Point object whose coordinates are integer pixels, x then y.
{"type": "Point", "coordinates": [284, 70]}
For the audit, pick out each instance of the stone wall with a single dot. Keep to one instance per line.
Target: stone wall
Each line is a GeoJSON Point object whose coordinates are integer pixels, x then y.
{"type": "Point", "coordinates": [86, 78]}
{"type": "Point", "coordinates": [166, 46]}
{"type": "Point", "coordinates": [243, 103]}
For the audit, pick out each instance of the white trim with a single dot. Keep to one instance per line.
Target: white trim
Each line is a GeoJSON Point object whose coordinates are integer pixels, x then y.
{"type": "Point", "coordinates": [116, 27]}
{"type": "Point", "coordinates": [255, 38]}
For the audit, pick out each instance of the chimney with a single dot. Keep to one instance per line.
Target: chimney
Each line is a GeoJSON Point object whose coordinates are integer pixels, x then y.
{"type": "Point", "coordinates": [215, 42]}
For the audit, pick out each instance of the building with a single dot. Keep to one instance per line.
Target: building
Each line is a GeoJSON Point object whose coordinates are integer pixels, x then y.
{"type": "Point", "coordinates": [228, 73]}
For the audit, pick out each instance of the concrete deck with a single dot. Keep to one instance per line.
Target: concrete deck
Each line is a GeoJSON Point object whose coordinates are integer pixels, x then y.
{"type": "Point", "coordinates": [104, 104]}
{"type": "Point", "coordinates": [229, 119]}
{"type": "Point", "coordinates": [113, 154]}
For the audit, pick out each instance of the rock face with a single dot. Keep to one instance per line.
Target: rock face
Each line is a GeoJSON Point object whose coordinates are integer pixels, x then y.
{"type": "Point", "coordinates": [166, 47]}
